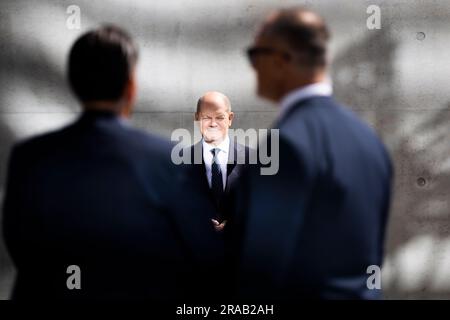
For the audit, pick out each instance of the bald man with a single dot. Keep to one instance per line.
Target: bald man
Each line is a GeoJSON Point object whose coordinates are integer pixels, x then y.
{"type": "Point", "coordinates": [315, 228]}
{"type": "Point", "coordinates": [219, 169]}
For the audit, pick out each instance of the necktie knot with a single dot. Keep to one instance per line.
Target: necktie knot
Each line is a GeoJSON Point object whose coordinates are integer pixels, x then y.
{"type": "Point", "coordinates": [215, 151]}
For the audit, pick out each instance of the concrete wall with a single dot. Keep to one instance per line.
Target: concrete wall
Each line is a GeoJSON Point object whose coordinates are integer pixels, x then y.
{"type": "Point", "coordinates": [395, 78]}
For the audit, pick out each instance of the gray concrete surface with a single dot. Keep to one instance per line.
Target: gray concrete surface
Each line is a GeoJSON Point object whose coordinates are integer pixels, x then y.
{"type": "Point", "coordinates": [395, 78]}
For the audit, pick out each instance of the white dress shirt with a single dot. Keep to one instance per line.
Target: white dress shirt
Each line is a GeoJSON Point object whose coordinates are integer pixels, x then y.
{"type": "Point", "coordinates": [222, 156]}
{"type": "Point", "coordinates": [313, 90]}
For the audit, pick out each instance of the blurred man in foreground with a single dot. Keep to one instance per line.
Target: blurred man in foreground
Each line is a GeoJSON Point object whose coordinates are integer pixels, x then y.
{"type": "Point", "coordinates": [314, 228]}
{"type": "Point", "coordinates": [103, 198]}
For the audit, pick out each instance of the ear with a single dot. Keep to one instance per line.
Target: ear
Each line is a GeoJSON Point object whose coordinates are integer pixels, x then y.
{"type": "Point", "coordinates": [132, 87]}
{"type": "Point", "coordinates": [196, 116]}
{"type": "Point", "coordinates": [231, 117]}
{"type": "Point", "coordinates": [130, 94]}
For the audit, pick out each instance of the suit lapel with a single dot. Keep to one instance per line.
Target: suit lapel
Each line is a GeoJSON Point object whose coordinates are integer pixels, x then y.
{"type": "Point", "coordinates": [232, 166]}
{"type": "Point", "coordinates": [232, 156]}
{"type": "Point", "coordinates": [200, 167]}
{"type": "Point", "coordinates": [240, 156]}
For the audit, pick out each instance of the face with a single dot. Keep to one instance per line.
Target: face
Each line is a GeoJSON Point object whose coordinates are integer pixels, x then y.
{"type": "Point", "coordinates": [214, 119]}
{"type": "Point", "coordinates": [270, 67]}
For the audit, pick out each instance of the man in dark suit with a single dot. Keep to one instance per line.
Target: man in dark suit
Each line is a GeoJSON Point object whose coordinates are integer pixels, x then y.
{"type": "Point", "coordinates": [103, 199]}
{"type": "Point", "coordinates": [313, 229]}
{"type": "Point", "coordinates": [220, 160]}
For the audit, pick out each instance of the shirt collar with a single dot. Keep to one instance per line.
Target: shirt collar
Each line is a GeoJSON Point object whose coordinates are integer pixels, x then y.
{"type": "Point", "coordinates": [316, 89]}
{"type": "Point", "coordinates": [223, 146]}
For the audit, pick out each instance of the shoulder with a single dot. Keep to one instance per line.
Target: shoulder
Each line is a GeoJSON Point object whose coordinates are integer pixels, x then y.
{"type": "Point", "coordinates": [40, 141]}
{"type": "Point", "coordinates": [318, 116]}
{"type": "Point", "coordinates": [244, 150]}
{"type": "Point", "coordinates": [134, 141]}
{"type": "Point", "coordinates": [242, 147]}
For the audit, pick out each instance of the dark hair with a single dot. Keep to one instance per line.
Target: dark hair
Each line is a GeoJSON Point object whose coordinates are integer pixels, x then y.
{"type": "Point", "coordinates": [304, 36]}
{"type": "Point", "coordinates": [100, 64]}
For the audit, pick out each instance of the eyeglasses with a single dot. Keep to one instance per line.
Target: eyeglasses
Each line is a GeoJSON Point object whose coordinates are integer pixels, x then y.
{"type": "Point", "coordinates": [253, 52]}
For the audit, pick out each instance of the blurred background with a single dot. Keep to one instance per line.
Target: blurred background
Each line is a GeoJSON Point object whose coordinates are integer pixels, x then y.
{"type": "Point", "coordinates": [395, 78]}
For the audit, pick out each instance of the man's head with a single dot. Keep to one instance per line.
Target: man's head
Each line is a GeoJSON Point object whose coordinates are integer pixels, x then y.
{"type": "Point", "coordinates": [289, 51]}
{"type": "Point", "coordinates": [102, 69]}
{"type": "Point", "coordinates": [215, 116]}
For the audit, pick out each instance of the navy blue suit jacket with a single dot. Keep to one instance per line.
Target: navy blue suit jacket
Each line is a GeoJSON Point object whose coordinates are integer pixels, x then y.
{"type": "Point", "coordinates": [314, 228]}
{"type": "Point", "coordinates": [237, 161]}
{"type": "Point", "coordinates": [105, 197]}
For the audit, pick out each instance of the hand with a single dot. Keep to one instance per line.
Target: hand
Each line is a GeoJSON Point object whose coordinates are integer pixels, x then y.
{"type": "Point", "coordinates": [217, 225]}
